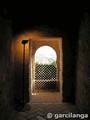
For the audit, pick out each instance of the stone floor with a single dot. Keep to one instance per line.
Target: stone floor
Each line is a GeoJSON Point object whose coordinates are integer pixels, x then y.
{"type": "Point", "coordinates": [46, 97]}
{"type": "Point", "coordinates": [46, 106]}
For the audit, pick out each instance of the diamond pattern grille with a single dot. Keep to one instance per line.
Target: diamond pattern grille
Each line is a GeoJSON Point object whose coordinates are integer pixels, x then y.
{"type": "Point", "coordinates": [45, 77]}
{"type": "Point", "coordinates": [45, 72]}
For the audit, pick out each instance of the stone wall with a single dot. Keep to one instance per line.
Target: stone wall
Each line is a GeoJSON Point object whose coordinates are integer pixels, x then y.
{"type": "Point", "coordinates": [83, 69]}
{"type": "Point", "coordinates": [6, 71]}
{"type": "Point", "coordinates": [68, 72]}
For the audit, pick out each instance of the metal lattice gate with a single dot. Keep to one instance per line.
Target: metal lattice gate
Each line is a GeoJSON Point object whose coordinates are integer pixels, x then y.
{"type": "Point", "coordinates": [45, 77]}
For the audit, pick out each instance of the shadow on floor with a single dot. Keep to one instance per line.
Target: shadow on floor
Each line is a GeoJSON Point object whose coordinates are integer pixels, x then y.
{"type": "Point", "coordinates": [44, 106]}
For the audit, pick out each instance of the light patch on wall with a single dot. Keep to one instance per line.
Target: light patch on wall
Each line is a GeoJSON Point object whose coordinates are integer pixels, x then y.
{"type": "Point", "coordinates": [18, 47]}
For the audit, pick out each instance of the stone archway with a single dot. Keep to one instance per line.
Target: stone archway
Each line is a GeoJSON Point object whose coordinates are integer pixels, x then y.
{"type": "Point", "coordinates": [56, 44]}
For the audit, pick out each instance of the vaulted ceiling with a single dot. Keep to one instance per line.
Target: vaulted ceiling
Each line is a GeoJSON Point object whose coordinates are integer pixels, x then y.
{"type": "Point", "coordinates": [64, 16]}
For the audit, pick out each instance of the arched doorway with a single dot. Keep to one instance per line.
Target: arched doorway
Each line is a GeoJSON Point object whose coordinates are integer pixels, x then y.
{"type": "Point", "coordinates": [41, 76]}
{"type": "Point", "coordinates": [45, 75]}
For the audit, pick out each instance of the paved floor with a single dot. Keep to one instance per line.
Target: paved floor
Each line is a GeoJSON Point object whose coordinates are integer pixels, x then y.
{"type": "Point", "coordinates": [46, 106]}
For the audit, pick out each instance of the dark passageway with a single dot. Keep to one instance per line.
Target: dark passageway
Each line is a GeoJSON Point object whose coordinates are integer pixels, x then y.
{"type": "Point", "coordinates": [27, 90]}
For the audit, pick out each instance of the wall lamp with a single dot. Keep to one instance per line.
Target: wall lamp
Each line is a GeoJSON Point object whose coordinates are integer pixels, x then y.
{"type": "Point", "coordinates": [24, 42]}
